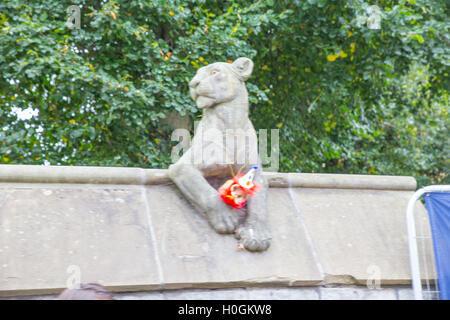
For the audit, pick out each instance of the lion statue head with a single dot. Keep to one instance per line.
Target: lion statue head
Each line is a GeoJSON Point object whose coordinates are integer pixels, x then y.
{"type": "Point", "coordinates": [220, 82]}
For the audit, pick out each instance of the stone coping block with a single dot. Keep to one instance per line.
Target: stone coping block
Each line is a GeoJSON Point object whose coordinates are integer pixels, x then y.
{"type": "Point", "coordinates": [359, 235]}
{"type": "Point", "coordinates": [340, 181]}
{"type": "Point", "coordinates": [82, 175]}
{"type": "Point", "coordinates": [191, 253]}
{"type": "Point", "coordinates": [131, 230]}
{"type": "Point", "coordinates": [51, 236]}
{"type": "Point", "coordinates": [140, 176]}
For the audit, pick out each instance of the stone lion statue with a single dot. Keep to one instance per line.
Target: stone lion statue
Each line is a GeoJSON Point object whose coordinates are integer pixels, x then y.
{"type": "Point", "coordinates": [224, 142]}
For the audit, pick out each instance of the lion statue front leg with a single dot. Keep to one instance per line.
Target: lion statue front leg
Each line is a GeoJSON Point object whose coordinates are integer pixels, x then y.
{"type": "Point", "coordinates": [204, 197]}
{"type": "Point", "coordinates": [253, 233]}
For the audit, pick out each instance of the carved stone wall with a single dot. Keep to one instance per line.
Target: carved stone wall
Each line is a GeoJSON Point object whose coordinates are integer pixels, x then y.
{"type": "Point", "coordinates": [131, 230]}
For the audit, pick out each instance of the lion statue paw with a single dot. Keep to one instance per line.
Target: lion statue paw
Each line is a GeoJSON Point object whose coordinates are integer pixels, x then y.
{"type": "Point", "coordinates": [254, 237]}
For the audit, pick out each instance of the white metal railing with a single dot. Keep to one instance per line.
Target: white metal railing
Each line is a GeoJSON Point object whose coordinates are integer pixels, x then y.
{"type": "Point", "coordinates": [412, 237]}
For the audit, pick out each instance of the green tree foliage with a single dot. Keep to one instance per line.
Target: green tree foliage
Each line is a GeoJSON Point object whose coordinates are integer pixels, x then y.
{"type": "Point", "coordinates": [101, 90]}
{"type": "Point", "coordinates": [346, 98]}
{"type": "Point", "coordinates": [350, 99]}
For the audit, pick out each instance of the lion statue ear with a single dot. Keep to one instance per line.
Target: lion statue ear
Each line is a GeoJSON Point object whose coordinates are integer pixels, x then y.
{"type": "Point", "coordinates": [244, 67]}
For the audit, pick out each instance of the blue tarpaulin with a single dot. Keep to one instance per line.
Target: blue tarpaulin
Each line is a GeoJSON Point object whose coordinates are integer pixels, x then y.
{"type": "Point", "coordinates": [438, 207]}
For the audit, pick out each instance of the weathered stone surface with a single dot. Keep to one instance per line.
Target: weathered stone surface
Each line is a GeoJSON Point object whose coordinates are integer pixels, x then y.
{"type": "Point", "coordinates": [34, 297]}
{"type": "Point", "coordinates": [357, 294]}
{"type": "Point", "coordinates": [140, 296]}
{"type": "Point", "coordinates": [66, 174]}
{"type": "Point", "coordinates": [194, 255]}
{"type": "Point", "coordinates": [405, 294]}
{"type": "Point", "coordinates": [294, 293]}
{"type": "Point", "coordinates": [103, 233]}
{"type": "Point", "coordinates": [207, 294]}
{"type": "Point", "coordinates": [340, 181]}
{"type": "Point", "coordinates": [139, 176]}
{"type": "Point", "coordinates": [283, 293]}
{"type": "Point", "coordinates": [139, 233]}
{"type": "Point", "coordinates": [358, 234]}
